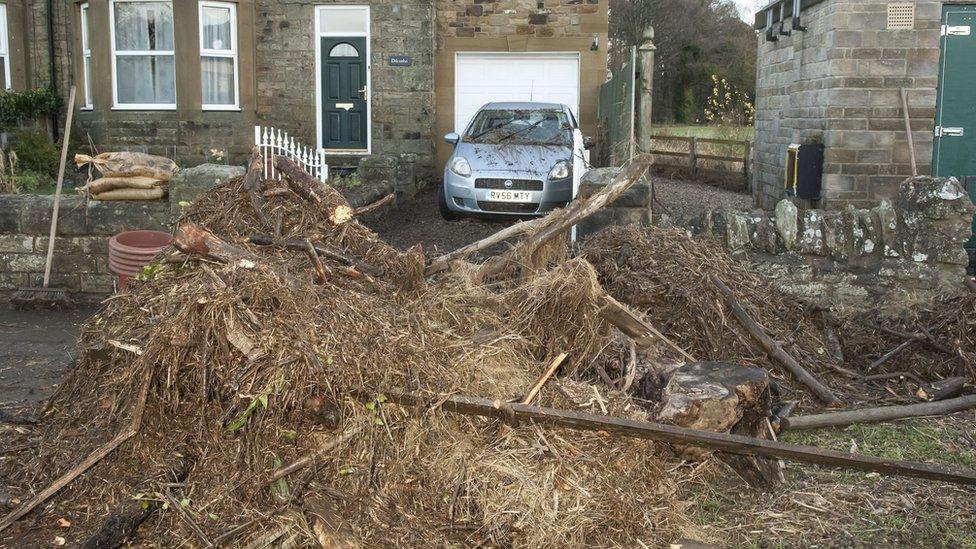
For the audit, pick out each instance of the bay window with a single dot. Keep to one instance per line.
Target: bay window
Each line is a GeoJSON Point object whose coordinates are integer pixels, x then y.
{"type": "Point", "coordinates": [86, 56]}
{"type": "Point", "coordinates": [143, 60]}
{"type": "Point", "coordinates": [4, 50]}
{"type": "Point", "coordinates": [218, 55]}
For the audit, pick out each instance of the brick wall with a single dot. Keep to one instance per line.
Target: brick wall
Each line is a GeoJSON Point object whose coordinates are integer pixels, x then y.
{"type": "Point", "coordinates": [838, 83]}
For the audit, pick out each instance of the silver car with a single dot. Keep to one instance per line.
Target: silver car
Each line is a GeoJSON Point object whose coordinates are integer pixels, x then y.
{"type": "Point", "coordinates": [513, 159]}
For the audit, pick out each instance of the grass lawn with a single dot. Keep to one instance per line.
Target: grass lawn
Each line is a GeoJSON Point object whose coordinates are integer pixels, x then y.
{"type": "Point", "coordinates": [739, 133]}
{"type": "Point", "coordinates": [836, 507]}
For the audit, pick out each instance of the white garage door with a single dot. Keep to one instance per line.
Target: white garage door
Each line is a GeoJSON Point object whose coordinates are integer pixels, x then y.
{"type": "Point", "coordinates": [481, 78]}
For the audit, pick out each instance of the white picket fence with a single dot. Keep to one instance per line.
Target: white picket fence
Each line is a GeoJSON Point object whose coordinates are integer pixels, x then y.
{"type": "Point", "coordinates": [272, 142]}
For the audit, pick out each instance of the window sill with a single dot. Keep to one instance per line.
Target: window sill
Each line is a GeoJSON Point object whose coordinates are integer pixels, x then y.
{"type": "Point", "coordinates": [219, 108]}
{"type": "Point", "coordinates": [149, 107]}
{"type": "Point", "coordinates": [86, 108]}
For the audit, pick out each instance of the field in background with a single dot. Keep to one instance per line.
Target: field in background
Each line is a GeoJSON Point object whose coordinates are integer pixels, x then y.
{"type": "Point", "coordinates": [738, 133]}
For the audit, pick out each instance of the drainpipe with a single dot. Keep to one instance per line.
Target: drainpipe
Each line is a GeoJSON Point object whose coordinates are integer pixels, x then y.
{"type": "Point", "coordinates": [50, 59]}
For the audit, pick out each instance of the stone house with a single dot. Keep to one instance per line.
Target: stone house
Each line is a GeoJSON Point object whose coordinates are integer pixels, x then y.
{"type": "Point", "coordinates": [181, 77]}
{"type": "Point", "coordinates": [832, 72]}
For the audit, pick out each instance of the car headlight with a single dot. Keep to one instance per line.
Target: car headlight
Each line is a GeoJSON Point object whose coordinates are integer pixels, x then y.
{"type": "Point", "coordinates": [560, 170]}
{"type": "Point", "coordinates": [460, 166]}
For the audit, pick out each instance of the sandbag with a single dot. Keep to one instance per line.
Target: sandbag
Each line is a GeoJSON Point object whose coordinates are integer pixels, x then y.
{"type": "Point", "coordinates": [106, 184]}
{"type": "Point", "coordinates": [132, 194]}
{"type": "Point", "coordinates": [130, 164]}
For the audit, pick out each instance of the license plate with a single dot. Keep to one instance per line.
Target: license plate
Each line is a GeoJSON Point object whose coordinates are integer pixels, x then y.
{"type": "Point", "coordinates": [509, 196]}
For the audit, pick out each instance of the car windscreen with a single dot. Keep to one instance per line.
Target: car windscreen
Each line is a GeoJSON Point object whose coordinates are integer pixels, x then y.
{"type": "Point", "coordinates": [520, 126]}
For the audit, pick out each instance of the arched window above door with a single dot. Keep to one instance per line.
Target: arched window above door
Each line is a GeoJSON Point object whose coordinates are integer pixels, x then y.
{"type": "Point", "coordinates": [343, 50]}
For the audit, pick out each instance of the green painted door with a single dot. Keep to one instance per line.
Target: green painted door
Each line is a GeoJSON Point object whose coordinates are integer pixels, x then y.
{"type": "Point", "coordinates": [954, 151]}
{"type": "Point", "coordinates": [344, 116]}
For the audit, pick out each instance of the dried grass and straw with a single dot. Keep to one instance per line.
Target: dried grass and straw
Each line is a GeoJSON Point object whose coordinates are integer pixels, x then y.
{"type": "Point", "coordinates": [249, 369]}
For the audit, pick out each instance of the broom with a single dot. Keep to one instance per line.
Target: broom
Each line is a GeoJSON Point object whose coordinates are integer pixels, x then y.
{"type": "Point", "coordinates": [45, 297]}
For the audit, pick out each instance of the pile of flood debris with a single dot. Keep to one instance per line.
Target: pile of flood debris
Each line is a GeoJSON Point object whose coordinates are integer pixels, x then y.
{"type": "Point", "coordinates": [283, 376]}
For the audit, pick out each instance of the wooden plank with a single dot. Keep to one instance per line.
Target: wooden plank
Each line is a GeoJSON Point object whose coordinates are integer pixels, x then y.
{"type": "Point", "coordinates": [693, 158]}
{"type": "Point", "coordinates": [671, 138]}
{"type": "Point", "coordinates": [670, 153]}
{"type": "Point", "coordinates": [883, 413]}
{"type": "Point", "coordinates": [719, 157]}
{"type": "Point", "coordinates": [735, 444]}
{"type": "Point", "coordinates": [721, 141]}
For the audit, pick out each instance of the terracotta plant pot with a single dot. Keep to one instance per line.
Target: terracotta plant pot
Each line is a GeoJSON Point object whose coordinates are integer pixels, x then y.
{"type": "Point", "coordinates": [130, 251]}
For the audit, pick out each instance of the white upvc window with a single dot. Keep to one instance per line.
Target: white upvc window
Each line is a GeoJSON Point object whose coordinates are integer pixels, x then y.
{"type": "Point", "coordinates": [143, 55]}
{"type": "Point", "coordinates": [86, 56]}
{"type": "Point", "coordinates": [4, 50]}
{"type": "Point", "coordinates": [218, 55]}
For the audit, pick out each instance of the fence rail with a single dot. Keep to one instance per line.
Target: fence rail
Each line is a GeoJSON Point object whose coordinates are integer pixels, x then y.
{"type": "Point", "coordinates": [694, 156]}
{"type": "Point", "coordinates": [273, 141]}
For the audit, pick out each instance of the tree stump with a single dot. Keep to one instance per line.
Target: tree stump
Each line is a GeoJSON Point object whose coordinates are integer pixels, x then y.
{"type": "Point", "coordinates": [723, 398]}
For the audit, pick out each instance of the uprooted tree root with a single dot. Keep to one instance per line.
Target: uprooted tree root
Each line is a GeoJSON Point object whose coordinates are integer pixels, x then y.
{"type": "Point", "coordinates": [252, 366]}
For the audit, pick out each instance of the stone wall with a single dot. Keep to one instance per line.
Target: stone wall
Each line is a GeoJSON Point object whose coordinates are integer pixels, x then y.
{"type": "Point", "coordinates": [914, 242]}
{"type": "Point", "coordinates": [80, 263]}
{"type": "Point", "coordinates": [634, 206]}
{"type": "Point", "coordinates": [838, 83]}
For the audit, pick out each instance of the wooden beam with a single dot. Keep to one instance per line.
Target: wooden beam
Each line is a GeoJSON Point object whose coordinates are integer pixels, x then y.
{"type": "Point", "coordinates": [723, 442]}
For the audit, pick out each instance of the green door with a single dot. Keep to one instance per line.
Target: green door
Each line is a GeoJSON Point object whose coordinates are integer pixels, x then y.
{"type": "Point", "coordinates": [344, 93]}
{"type": "Point", "coordinates": [954, 151]}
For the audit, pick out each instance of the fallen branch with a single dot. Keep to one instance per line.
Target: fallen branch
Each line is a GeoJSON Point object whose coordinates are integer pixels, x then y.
{"type": "Point", "coordinates": [443, 262]}
{"type": "Point", "coordinates": [194, 239]}
{"type": "Point", "coordinates": [119, 526]}
{"type": "Point", "coordinates": [774, 349]}
{"type": "Point", "coordinates": [634, 326]}
{"type": "Point", "coordinates": [884, 413]}
{"type": "Point", "coordinates": [671, 434]}
{"type": "Point", "coordinates": [321, 272]}
{"type": "Point", "coordinates": [374, 205]}
{"type": "Point", "coordinates": [943, 389]}
{"type": "Point", "coordinates": [127, 432]}
{"type": "Point", "coordinates": [305, 461]}
{"type": "Point", "coordinates": [253, 185]}
{"type": "Point", "coordinates": [304, 185]}
{"type": "Point", "coordinates": [562, 220]}
{"type": "Point", "coordinates": [360, 269]}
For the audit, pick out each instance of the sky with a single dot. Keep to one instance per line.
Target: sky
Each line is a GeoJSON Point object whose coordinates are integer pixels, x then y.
{"type": "Point", "coordinates": [748, 8]}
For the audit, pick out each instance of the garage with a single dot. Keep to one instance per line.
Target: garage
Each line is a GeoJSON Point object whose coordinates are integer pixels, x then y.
{"type": "Point", "coordinates": [485, 77]}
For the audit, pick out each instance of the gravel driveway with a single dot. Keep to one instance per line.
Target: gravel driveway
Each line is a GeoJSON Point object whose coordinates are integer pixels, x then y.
{"type": "Point", "coordinates": [418, 221]}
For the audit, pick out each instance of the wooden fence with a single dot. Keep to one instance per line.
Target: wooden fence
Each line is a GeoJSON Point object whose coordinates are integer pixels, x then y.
{"type": "Point", "coordinates": [695, 155]}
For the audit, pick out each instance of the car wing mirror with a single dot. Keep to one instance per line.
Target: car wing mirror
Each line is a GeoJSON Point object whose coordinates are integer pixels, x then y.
{"type": "Point", "coordinates": [588, 142]}
{"type": "Point", "coordinates": [452, 138]}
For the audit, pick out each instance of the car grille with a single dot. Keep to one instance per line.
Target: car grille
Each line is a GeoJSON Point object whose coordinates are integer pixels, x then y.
{"type": "Point", "coordinates": [517, 184]}
{"type": "Point", "coordinates": [507, 207]}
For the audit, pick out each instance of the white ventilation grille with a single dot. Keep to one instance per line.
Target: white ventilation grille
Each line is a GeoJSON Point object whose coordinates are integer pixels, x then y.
{"type": "Point", "coordinates": [901, 15]}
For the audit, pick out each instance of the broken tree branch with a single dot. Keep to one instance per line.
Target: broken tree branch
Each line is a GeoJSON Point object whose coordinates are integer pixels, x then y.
{"type": "Point", "coordinates": [374, 205]}
{"type": "Point", "coordinates": [194, 239]}
{"type": "Point", "coordinates": [884, 413]}
{"type": "Point", "coordinates": [443, 262]}
{"type": "Point", "coordinates": [562, 220]}
{"type": "Point", "coordinates": [634, 326]}
{"type": "Point", "coordinates": [310, 188]}
{"type": "Point", "coordinates": [305, 461]}
{"type": "Point", "coordinates": [671, 434]}
{"type": "Point", "coordinates": [360, 266]}
{"type": "Point", "coordinates": [774, 349]}
{"type": "Point", "coordinates": [253, 185]}
{"type": "Point", "coordinates": [321, 271]}
{"type": "Point", "coordinates": [125, 434]}
{"type": "Point", "coordinates": [537, 386]}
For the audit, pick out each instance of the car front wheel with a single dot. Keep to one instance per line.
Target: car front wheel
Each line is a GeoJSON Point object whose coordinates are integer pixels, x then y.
{"type": "Point", "coordinates": [447, 213]}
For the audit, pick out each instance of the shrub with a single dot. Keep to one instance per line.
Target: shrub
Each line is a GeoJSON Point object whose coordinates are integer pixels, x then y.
{"type": "Point", "coordinates": [19, 107]}
{"type": "Point", "coordinates": [36, 153]}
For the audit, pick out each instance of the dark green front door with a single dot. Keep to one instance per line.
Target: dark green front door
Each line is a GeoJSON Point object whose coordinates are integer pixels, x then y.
{"type": "Point", "coordinates": [344, 117]}
{"type": "Point", "coordinates": [954, 151]}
